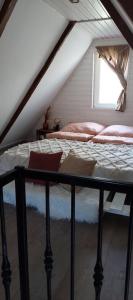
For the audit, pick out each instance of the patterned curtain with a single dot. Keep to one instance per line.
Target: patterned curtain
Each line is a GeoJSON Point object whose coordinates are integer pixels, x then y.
{"type": "Point", "coordinates": [117, 58]}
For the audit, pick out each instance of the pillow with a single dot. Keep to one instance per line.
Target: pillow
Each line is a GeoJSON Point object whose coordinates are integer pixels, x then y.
{"type": "Point", "coordinates": [75, 136]}
{"type": "Point", "coordinates": [84, 127]}
{"type": "Point", "coordinates": [104, 139]}
{"type": "Point", "coordinates": [76, 165]}
{"type": "Point", "coordinates": [44, 161]}
{"type": "Point", "coordinates": [118, 130]}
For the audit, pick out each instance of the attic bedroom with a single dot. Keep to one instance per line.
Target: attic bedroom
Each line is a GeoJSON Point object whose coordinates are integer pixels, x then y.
{"type": "Point", "coordinates": [66, 149]}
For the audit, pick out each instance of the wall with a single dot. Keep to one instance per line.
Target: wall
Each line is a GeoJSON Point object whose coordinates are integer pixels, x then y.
{"type": "Point", "coordinates": [63, 65]}
{"type": "Point", "coordinates": [74, 102]}
{"type": "Point", "coordinates": [26, 42]}
{"type": "Point", "coordinates": [29, 38]}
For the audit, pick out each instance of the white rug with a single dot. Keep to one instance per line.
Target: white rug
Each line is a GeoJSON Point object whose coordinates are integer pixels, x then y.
{"type": "Point", "coordinates": [60, 201]}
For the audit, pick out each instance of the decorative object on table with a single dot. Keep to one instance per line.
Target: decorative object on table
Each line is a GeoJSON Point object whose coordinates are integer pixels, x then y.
{"type": "Point", "coordinates": [41, 133]}
{"type": "Point", "coordinates": [57, 123]}
{"type": "Point", "coordinates": [45, 123]}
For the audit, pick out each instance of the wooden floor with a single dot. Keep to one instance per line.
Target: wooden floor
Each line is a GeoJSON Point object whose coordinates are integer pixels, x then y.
{"type": "Point", "coordinates": [114, 254]}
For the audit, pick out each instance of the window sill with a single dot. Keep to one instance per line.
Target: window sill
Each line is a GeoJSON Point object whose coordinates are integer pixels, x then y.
{"type": "Point", "coordinates": [99, 107]}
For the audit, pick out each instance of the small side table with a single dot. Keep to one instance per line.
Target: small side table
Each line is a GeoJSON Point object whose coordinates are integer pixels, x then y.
{"type": "Point", "coordinates": [41, 133]}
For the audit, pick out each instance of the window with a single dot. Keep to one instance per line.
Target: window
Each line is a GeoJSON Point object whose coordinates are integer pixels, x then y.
{"type": "Point", "coordinates": [106, 84]}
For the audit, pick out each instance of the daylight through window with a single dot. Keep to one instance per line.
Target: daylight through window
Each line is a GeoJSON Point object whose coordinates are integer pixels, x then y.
{"type": "Point", "coordinates": [106, 84]}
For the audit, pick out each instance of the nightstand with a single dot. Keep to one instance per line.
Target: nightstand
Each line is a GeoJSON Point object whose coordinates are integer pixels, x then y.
{"type": "Point", "coordinates": [41, 133]}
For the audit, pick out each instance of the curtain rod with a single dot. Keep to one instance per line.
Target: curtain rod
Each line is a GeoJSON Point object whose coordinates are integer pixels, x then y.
{"type": "Point", "coordinates": [94, 20]}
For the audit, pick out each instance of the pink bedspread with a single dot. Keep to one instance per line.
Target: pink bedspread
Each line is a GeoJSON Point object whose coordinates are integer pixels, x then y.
{"type": "Point", "coordinates": [104, 139]}
{"type": "Point", "coordinates": [75, 136]}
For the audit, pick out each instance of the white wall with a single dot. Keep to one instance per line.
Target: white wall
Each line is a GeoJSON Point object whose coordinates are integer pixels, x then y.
{"type": "Point", "coordinates": [74, 102]}
{"type": "Point", "coordinates": [26, 42]}
{"type": "Point", "coordinates": [67, 58]}
{"type": "Point", "coordinates": [30, 35]}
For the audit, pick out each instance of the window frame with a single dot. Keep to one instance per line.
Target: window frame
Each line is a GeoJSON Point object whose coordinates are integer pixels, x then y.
{"type": "Point", "coordinates": [96, 84]}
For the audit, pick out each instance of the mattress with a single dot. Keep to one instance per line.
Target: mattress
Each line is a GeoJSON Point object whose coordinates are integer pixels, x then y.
{"type": "Point", "coordinates": [113, 161]}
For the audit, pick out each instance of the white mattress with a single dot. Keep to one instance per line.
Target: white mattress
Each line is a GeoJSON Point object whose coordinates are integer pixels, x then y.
{"type": "Point", "coordinates": [113, 161]}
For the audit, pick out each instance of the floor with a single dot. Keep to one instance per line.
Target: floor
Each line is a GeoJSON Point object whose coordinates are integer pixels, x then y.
{"type": "Point", "coordinates": [114, 254]}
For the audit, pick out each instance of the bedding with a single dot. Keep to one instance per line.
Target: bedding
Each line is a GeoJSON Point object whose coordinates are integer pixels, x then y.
{"type": "Point", "coordinates": [109, 157]}
{"type": "Point", "coordinates": [113, 161]}
{"type": "Point", "coordinates": [75, 165]}
{"type": "Point", "coordinates": [84, 127]}
{"type": "Point", "coordinates": [75, 136]}
{"type": "Point", "coordinates": [103, 139]}
{"type": "Point", "coordinates": [118, 130]}
{"type": "Point", "coordinates": [44, 161]}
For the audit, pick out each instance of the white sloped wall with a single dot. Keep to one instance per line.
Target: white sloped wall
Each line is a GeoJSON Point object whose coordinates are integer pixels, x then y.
{"type": "Point", "coordinates": [26, 42]}
{"type": "Point", "coordinates": [28, 39]}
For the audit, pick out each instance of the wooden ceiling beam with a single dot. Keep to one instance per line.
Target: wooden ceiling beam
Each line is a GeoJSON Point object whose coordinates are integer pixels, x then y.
{"type": "Point", "coordinates": [121, 24]}
{"type": "Point", "coordinates": [37, 80]}
{"type": "Point", "coordinates": [5, 13]}
{"type": "Point", "coordinates": [128, 7]}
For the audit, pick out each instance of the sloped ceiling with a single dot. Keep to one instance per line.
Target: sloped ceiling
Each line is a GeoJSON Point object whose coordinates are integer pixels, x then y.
{"type": "Point", "coordinates": [6, 9]}
{"type": "Point", "coordinates": [65, 62]}
{"type": "Point", "coordinates": [87, 9]}
{"type": "Point", "coordinates": [29, 37]}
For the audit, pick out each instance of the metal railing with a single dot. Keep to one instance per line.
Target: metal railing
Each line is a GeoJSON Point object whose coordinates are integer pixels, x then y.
{"type": "Point", "coordinates": [19, 175]}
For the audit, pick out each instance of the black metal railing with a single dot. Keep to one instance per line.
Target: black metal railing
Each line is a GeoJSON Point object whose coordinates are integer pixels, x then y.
{"type": "Point", "coordinates": [19, 174]}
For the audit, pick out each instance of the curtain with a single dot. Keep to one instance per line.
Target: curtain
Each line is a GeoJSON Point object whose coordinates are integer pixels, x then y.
{"type": "Point", "coordinates": [117, 58]}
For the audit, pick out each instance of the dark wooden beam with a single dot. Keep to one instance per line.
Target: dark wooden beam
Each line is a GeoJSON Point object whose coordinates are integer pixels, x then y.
{"type": "Point", "coordinates": [38, 78]}
{"type": "Point", "coordinates": [121, 24]}
{"type": "Point", "coordinates": [128, 7]}
{"type": "Point", "coordinates": [5, 13]}
{"type": "Point", "coordinates": [1, 3]}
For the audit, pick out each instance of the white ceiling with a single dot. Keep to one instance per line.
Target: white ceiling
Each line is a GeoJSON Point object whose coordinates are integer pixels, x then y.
{"type": "Point", "coordinates": [87, 9]}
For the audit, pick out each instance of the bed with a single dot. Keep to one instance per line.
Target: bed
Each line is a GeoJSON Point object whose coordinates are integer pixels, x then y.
{"type": "Point", "coordinates": [110, 147]}
{"type": "Point", "coordinates": [113, 161]}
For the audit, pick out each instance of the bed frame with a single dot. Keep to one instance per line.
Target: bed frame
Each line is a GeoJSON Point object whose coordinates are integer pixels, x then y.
{"type": "Point", "coordinates": [19, 174]}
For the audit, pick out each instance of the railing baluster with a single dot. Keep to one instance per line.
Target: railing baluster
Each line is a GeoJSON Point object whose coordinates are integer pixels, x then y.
{"type": "Point", "coordinates": [48, 251]}
{"type": "Point", "coordinates": [129, 248]}
{"type": "Point", "coordinates": [72, 242]}
{"type": "Point", "coordinates": [22, 234]}
{"type": "Point", "coordinates": [19, 175]}
{"type": "Point", "coordinates": [98, 270]}
{"type": "Point", "coordinates": [6, 271]}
